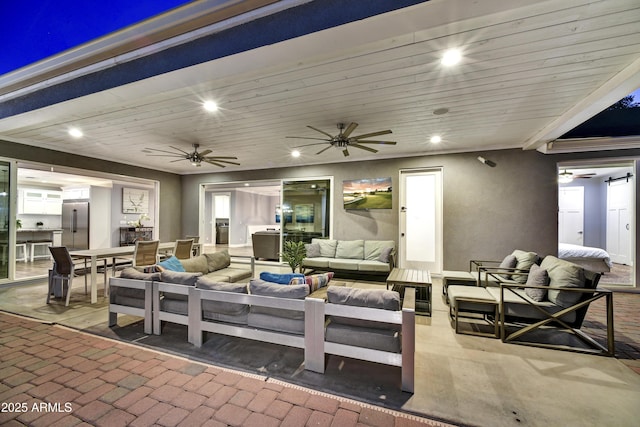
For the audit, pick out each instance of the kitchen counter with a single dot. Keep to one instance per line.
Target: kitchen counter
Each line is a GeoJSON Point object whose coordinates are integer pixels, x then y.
{"type": "Point", "coordinates": [31, 230]}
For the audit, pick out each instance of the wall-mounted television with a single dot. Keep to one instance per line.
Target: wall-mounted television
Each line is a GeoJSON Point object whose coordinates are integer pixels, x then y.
{"type": "Point", "coordinates": [368, 193]}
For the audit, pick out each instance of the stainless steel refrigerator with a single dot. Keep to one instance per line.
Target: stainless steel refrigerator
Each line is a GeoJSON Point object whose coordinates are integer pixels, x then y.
{"type": "Point", "coordinates": [75, 224]}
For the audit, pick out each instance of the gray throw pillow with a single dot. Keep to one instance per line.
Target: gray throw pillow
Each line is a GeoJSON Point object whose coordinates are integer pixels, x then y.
{"type": "Point", "coordinates": [313, 250]}
{"type": "Point", "coordinates": [384, 255]}
{"type": "Point", "coordinates": [537, 277]}
{"type": "Point", "coordinates": [507, 263]}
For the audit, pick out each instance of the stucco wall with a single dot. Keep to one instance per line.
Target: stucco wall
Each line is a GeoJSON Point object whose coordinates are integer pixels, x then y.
{"type": "Point", "coordinates": [487, 211]}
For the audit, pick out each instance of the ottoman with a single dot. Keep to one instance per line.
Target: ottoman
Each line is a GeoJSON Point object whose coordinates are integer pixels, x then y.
{"type": "Point", "coordinates": [467, 300]}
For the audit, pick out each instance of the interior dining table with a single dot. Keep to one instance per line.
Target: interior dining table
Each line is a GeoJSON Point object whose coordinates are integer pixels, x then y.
{"type": "Point", "coordinates": [93, 255]}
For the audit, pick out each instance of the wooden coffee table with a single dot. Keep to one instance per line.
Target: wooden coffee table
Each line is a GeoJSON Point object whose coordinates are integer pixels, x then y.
{"type": "Point", "coordinates": [419, 279]}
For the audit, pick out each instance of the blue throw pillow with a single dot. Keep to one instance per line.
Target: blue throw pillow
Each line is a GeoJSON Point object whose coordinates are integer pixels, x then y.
{"type": "Point", "coordinates": [172, 264]}
{"type": "Point", "coordinates": [282, 279]}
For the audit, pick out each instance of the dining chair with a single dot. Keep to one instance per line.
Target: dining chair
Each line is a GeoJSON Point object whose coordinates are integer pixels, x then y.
{"type": "Point", "coordinates": [63, 270]}
{"type": "Point", "coordinates": [182, 249]}
{"type": "Point", "coordinates": [145, 253]}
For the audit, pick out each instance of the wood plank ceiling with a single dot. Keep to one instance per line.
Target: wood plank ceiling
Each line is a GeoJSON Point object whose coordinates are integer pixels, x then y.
{"type": "Point", "coordinates": [524, 67]}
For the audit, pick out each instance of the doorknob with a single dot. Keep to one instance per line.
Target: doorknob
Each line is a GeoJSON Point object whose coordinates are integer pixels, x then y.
{"type": "Point", "coordinates": [403, 209]}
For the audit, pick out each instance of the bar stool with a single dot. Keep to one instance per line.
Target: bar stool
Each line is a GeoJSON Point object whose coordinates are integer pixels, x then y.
{"type": "Point", "coordinates": [23, 246]}
{"type": "Point", "coordinates": [33, 244]}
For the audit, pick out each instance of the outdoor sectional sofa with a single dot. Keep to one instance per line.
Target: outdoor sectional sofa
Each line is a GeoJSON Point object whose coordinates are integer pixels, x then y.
{"type": "Point", "coordinates": [372, 259]}
{"type": "Point", "coordinates": [285, 314]}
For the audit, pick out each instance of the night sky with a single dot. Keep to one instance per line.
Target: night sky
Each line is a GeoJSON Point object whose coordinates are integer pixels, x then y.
{"type": "Point", "coordinates": [34, 30]}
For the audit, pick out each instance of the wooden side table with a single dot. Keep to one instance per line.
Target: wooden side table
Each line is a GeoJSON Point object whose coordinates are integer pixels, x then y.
{"type": "Point", "coordinates": [419, 279]}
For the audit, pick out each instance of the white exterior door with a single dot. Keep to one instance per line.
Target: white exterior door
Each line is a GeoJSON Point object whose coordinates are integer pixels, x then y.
{"type": "Point", "coordinates": [619, 226]}
{"type": "Point", "coordinates": [571, 215]}
{"type": "Point", "coordinates": [420, 240]}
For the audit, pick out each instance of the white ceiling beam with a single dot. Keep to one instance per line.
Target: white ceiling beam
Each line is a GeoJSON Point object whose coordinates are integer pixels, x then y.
{"type": "Point", "coordinates": [616, 88]}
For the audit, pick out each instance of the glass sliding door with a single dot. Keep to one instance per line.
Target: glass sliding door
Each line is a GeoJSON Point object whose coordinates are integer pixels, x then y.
{"type": "Point", "coordinates": [305, 211]}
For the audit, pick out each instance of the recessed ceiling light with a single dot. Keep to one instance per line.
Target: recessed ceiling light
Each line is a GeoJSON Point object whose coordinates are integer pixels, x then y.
{"type": "Point", "coordinates": [210, 106]}
{"type": "Point", "coordinates": [451, 57]}
{"type": "Point", "coordinates": [440, 111]}
{"type": "Point", "coordinates": [295, 153]}
{"type": "Point", "coordinates": [435, 139]}
{"type": "Point", "coordinates": [75, 132]}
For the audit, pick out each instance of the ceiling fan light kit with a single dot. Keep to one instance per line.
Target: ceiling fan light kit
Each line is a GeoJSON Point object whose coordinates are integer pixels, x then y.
{"type": "Point", "coordinates": [343, 140]}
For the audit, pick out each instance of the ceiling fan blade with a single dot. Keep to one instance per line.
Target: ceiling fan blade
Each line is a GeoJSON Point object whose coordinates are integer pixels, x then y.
{"type": "Point", "coordinates": [215, 163]}
{"type": "Point", "coordinates": [204, 153]}
{"type": "Point", "coordinates": [376, 142]}
{"type": "Point", "coordinates": [180, 150]}
{"type": "Point", "coordinates": [162, 151]}
{"type": "Point", "coordinates": [324, 149]}
{"type": "Point", "coordinates": [321, 131]}
{"type": "Point", "coordinates": [367, 135]}
{"type": "Point", "coordinates": [218, 160]}
{"type": "Point", "coordinates": [352, 126]}
{"type": "Point", "coordinates": [345, 152]}
{"type": "Point", "coordinates": [173, 161]}
{"type": "Point", "coordinates": [362, 147]}
{"type": "Point", "coordinates": [166, 155]}
{"type": "Point", "coordinates": [306, 137]}
{"type": "Point", "coordinates": [220, 157]}
{"type": "Point", "coordinates": [308, 145]}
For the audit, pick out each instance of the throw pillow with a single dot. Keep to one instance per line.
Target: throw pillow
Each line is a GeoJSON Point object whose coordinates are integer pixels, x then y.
{"type": "Point", "coordinates": [537, 277]}
{"type": "Point", "coordinates": [384, 255]}
{"type": "Point", "coordinates": [314, 281]}
{"type": "Point", "coordinates": [282, 279]}
{"type": "Point", "coordinates": [524, 261]}
{"type": "Point", "coordinates": [313, 250]}
{"type": "Point", "coordinates": [172, 263]}
{"type": "Point", "coordinates": [507, 263]}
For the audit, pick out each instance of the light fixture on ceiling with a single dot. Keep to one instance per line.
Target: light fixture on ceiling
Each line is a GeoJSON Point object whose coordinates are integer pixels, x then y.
{"type": "Point", "coordinates": [565, 177]}
{"type": "Point", "coordinates": [436, 139]}
{"type": "Point", "coordinates": [210, 106]}
{"type": "Point", "coordinates": [440, 111]}
{"type": "Point", "coordinates": [451, 57]}
{"type": "Point", "coordinates": [75, 132]}
{"type": "Point", "coordinates": [295, 153]}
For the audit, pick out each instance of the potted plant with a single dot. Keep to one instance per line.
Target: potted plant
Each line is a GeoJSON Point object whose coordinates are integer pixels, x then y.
{"type": "Point", "coordinates": [18, 224]}
{"type": "Point", "coordinates": [293, 253]}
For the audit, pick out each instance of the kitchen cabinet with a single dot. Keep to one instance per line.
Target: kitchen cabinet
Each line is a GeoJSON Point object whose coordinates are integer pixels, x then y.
{"type": "Point", "coordinates": [33, 201]}
{"type": "Point", "coordinates": [76, 193]}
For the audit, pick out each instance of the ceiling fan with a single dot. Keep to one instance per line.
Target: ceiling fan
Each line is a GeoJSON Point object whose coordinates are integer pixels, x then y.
{"type": "Point", "coordinates": [195, 157]}
{"type": "Point", "coordinates": [344, 140]}
{"type": "Point", "coordinates": [566, 176]}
